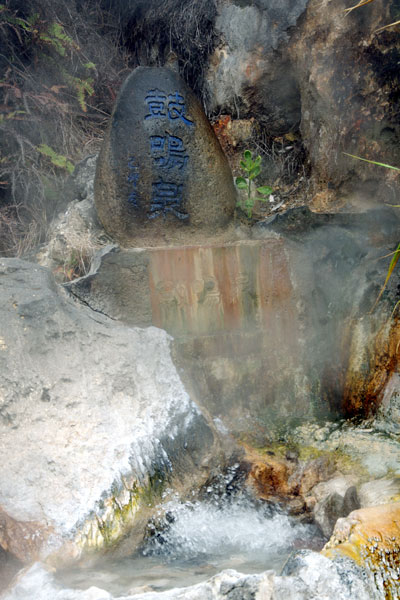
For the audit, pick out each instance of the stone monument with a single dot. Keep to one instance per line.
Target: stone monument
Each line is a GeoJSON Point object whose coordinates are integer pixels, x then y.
{"type": "Point", "coordinates": [161, 176]}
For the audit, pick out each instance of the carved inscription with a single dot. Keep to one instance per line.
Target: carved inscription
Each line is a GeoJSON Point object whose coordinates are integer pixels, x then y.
{"type": "Point", "coordinates": [163, 106]}
{"type": "Point", "coordinates": [166, 198]}
{"type": "Point", "coordinates": [168, 154]}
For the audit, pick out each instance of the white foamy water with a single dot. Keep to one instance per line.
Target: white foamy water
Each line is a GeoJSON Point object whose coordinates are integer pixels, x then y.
{"type": "Point", "coordinates": [194, 540]}
{"type": "Point", "coordinates": [201, 530]}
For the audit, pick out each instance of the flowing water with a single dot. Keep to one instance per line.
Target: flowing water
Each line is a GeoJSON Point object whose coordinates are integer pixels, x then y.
{"type": "Point", "coordinates": [191, 541]}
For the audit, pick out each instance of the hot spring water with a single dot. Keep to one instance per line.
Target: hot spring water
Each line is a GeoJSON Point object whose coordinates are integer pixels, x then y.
{"type": "Point", "coordinates": [191, 541]}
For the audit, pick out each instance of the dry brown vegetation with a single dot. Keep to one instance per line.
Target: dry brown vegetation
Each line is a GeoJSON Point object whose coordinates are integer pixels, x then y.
{"type": "Point", "coordinates": [61, 65]}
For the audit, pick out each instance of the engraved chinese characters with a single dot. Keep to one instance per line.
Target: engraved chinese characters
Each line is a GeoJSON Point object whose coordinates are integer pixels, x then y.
{"type": "Point", "coordinates": [169, 155]}
{"type": "Point", "coordinates": [161, 175]}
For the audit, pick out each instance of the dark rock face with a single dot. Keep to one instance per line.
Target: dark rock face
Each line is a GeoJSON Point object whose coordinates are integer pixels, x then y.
{"type": "Point", "coordinates": [161, 173]}
{"type": "Point", "coordinates": [349, 94]}
{"type": "Point", "coordinates": [306, 68]}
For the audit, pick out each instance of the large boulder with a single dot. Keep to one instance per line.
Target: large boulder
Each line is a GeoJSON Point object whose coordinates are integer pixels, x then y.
{"type": "Point", "coordinates": [94, 422]}
{"type": "Point", "coordinates": [161, 173]}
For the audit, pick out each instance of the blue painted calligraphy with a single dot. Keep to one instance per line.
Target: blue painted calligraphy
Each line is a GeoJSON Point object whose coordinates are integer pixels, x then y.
{"type": "Point", "coordinates": [133, 178]}
{"type": "Point", "coordinates": [166, 198]}
{"type": "Point", "coordinates": [161, 107]}
{"type": "Point", "coordinates": [168, 152]}
{"type": "Point", "coordinates": [156, 100]}
{"type": "Point", "coordinates": [177, 109]}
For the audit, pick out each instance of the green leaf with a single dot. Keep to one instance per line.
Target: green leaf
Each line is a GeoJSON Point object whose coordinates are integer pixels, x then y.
{"type": "Point", "coordinates": [264, 189]}
{"type": "Point", "coordinates": [393, 263]}
{"type": "Point", "coordinates": [373, 162]}
{"type": "Point", "coordinates": [241, 183]}
{"type": "Point", "coordinates": [247, 155]}
{"type": "Point", "coordinates": [58, 160]}
{"type": "Point", "coordinates": [257, 161]}
{"type": "Point", "coordinates": [254, 172]}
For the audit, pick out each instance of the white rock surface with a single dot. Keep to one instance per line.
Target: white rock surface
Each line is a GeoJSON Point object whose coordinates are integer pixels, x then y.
{"type": "Point", "coordinates": [85, 405]}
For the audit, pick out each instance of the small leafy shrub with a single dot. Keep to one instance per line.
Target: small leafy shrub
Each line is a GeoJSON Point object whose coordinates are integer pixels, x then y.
{"type": "Point", "coordinates": [251, 168]}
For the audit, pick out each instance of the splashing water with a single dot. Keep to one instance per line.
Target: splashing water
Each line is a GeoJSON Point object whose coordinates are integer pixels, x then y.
{"type": "Point", "coordinates": [189, 542]}
{"type": "Point", "coordinates": [201, 531]}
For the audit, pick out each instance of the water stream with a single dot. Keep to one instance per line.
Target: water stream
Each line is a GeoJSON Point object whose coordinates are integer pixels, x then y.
{"type": "Point", "coordinates": [191, 541]}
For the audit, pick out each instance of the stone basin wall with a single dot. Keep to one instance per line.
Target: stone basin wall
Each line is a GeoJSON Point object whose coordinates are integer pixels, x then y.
{"type": "Point", "coordinates": [266, 330]}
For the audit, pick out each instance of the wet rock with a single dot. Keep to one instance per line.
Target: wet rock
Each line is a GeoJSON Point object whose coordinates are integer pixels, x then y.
{"type": "Point", "coordinates": [388, 414]}
{"type": "Point", "coordinates": [308, 575]}
{"type": "Point", "coordinates": [333, 506]}
{"type": "Point", "coordinates": [310, 473]}
{"type": "Point", "coordinates": [371, 537]}
{"type": "Point", "coordinates": [277, 478]}
{"type": "Point", "coordinates": [97, 416]}
{"type": "Point", "coordinates": [161, 174]}
{"type": "Point", "coordinates": [23, 540]}
{"type": "Point", "coordinates": [361, 453]}
{"type": "Point", "coordinates": [9, 567]}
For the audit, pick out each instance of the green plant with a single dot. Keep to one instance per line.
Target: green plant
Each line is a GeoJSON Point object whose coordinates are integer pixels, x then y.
{"type": "Point", "coordinates": [251, 168]}
{"type": "Point", "coordinates": [396, 254]}
{"type": "Point", "coordinates": [58, 160]}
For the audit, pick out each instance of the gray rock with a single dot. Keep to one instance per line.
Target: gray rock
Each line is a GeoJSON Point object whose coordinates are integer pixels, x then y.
{"type": "Point", "coordinates": [311, 576]}
{"type": "Point", "coordinates": [368, 454]}
{"type": "Point", "coordinates": [94, 412]}
{"type": "Point", "coordinates": [74, 237]}
{"type": "Point", "coordinates": [161, 173]}
{"type": "Point", "coordinates": [80, 185]}
{"type": "Point", "coordinates": [245, 72]}
{"type": "Point", "coordinates": [333, 506]}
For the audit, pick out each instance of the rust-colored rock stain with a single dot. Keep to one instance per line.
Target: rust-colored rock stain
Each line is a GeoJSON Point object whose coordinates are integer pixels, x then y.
{"type": "Point", "coordinates": [372, 361]}
{"type": "Point", "coordinates": [208, 289]}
